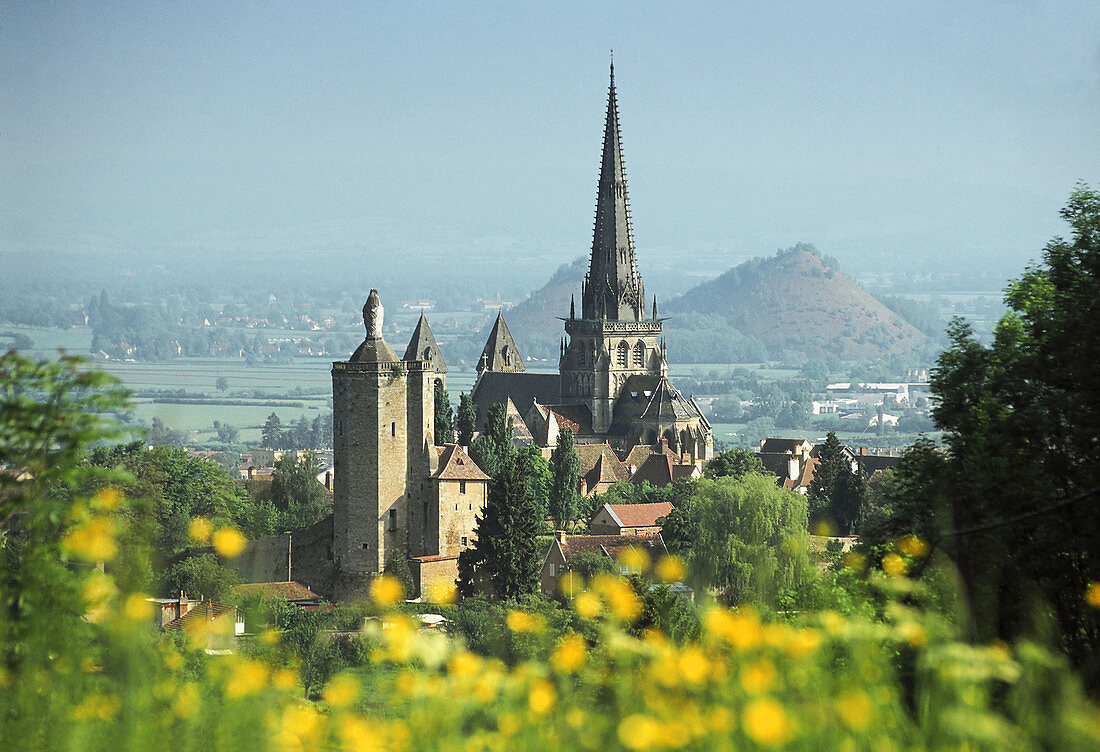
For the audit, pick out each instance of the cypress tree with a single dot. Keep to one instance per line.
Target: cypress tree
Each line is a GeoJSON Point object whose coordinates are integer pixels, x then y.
{"type": "Point", "coordinates": [444, 417]}
{"type": "Point", "coordinates": [466, 423]}
{"type": "Point", "coordinates": [836, 492]}
{"type": "Point", "coordinates": [564, 469]}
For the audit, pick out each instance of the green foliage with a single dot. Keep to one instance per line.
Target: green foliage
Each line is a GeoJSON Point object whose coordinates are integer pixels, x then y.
{"type": "Point", "coordinates": [539, 482]}
{"type": "Point", "coordinates": [836, 491]}
{"type": "Point", "coordinates": [296, 492]}
{"type": "Point", "coordinates": [588, 564]}
{"type": "Point", "coordinates": [746, 538]}
{"type": "Point", "coordinates": [564, 469]}
{"type": "Point", "coordinates": [444, 417]}
{"type": "Point", "coordinates": [200, 577]}
{"type": "Point", "coordinates": [735, 463]}
{"type": "Point", "coordinates": [466, 421]}
{"type": "Point", "coordinates": [504, 561]}
{"type": "Point", "coordinates": [493, 449]}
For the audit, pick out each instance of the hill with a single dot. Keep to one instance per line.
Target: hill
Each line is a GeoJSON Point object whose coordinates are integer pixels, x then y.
{"type": "Point", "coordinates": [799, 306]}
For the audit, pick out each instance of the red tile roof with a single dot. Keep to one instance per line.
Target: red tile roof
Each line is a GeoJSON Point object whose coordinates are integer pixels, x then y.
{"type": "Point", "coordinates": [455, 464]}
{"type": "Point", "coordinates": [640, 515]}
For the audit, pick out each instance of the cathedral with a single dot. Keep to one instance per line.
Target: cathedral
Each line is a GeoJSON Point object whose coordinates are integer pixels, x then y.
{"type": "Point", "coordinates": [397, 496]}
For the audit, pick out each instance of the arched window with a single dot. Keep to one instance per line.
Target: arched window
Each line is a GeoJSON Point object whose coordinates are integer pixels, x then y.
{"type": "Point", "coordinates": [621, 355]}
{"type": "Point", "coordinates": [639, 355]}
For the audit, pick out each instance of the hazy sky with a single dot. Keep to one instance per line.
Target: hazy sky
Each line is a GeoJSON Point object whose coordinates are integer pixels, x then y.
{"type": "Point", "coordinates": [913, 133]}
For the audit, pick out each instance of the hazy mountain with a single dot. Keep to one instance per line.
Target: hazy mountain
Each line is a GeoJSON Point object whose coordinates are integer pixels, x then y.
{"type": "Point", "coordinates": [800, 306]}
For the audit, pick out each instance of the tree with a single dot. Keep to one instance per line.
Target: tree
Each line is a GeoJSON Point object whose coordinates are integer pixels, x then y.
{"type": "Point", "coordinates": [221, 384]}
{"type": "Point", "coordinates": [161, 435]}
{"type": "Point", "coordinates": [272, 432]}
{"type": "Point", "coordinates": [444, 417]}
{"type": "Point", "coordinates": [504, 560]}
{"type": "Point", "coordinates": [466, 423]}
{"type": "Point", "coordinates": [735, 463]}
{"type": "Point", "coordinates": [200, 577]}
{"type": "Point", "coordinates": [746, 538]}
{"type": "Point", "coordinates": [836, 491]}
{"type": "Point", "coordinates": [296, 492]}
{"type": "Point", "coordinates": [564, 471]}
{"type": "Point", "coordinates": [227, 434]}
{"type": "Point", "coordinates": [493, 449]}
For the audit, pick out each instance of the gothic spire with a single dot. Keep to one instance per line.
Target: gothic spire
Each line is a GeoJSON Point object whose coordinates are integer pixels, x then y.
{"type": "Point", "coordinates": [422, 346]}
{"type": "Point", "coordinates": [501, 353]}
{"type": "Point", "coordinates": [613, 288]}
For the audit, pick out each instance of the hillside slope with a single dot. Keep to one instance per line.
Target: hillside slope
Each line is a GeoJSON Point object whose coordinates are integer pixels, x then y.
{"type": "Point", "coordinates": [800, 306]}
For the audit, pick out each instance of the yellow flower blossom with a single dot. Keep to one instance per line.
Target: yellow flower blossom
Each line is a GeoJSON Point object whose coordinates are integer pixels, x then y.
{"type": "Point", "coordinates": [855, 561]}
{"type": "Point", "coordinates": [766, 722]}
{"type": "Point", "coordinates": [541, 697]}
{"type": "Point", "coordinates": [284, 679]}
{"type": "Point", "coordinates": [671, 569]}
{"type": "Point", "coordinates": [693, 665]}
{"type": "Point", "coordinates": [173, 661]}
{"type": "Point", "coordinates": [570, 654]}
{"type": "Point", "coordinates": [486, 686]}
{"type": "Point", "coordinates": [138, 607]}
{"type": "Point", "coordinates": [357, 733]}
{"type": "Point", "coordinates": [620, 597]}
{"type": "Point", "coordinates": [96, 707]}
{"type": "Point", "coordinates": [386, 590]}
{"type": "Point", "coordinates": [570, 583]}
{"type": "Point", "coordinates": [1092, 594]}
{"type": "Point", "coordinates": [823, 528]}
{"type": "Point", "coordinates": [894, 565]}
{"type": "Point", "coordinates": [832, 621]}
{"type": "Point", "coordinates": [587, 605]}
{"type": "Point", "coordinates": [399, 634]}
{"type": "Point", "coordinates": [802, 642]}
{"type": "Point", "coordinates": [270, 637]}
{"type": "Point", "coordinates": [911, 545]}
{"type": "Point", "coordinates": [443, 593]}
{"type": "Point", "coordinates": [913, 633]}
{"type": "Point", "coordinates": [522, 621]}
{"type": "Point", "coordinates": [200, 530]}
{"type": "Point", "coordinates": [640, 732]}
{"type": "Point", "coordinates": [93, 540]}
{"type": "Point", "coordinates": [741, 629]}
{"type": "Point", "coordinates": [342, 691]}
{"type": "Point", "coordinates": [228, 542]}
{"type": "Point", "coordinates": [634, 559]}
{"type": "Point", "coordinates": [719, 719]}
{"type": "Point", "coordinates": [463, 663]}
{"type": "Point", "coordinates": [856, 710]}
{"type": "Point", "coordinates": [97, 589]}
{"type": "Point", "coordinates": [508, 724]}
{"type": "Point", "coordinates": [299, 727]}
{"type": "Point", "coordinates": [107, 499]}
{"type": "Point", "coordinates": [758, 677]}
{"type": "Point", "coordinates": [187, 701]}
{"type": "Point", "coordinates": [248, 678]}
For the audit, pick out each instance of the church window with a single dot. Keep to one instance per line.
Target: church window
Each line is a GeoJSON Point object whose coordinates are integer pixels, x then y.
{"type": "Point", "coordinates": [462, 486]}
{"type": "Point", "coordinates": [393, 429]}
{"type": "Point", "coordinates": [366, 546]}
{"type": "Point", "coordinates": [639, 355]}
{"type": "Point", "coordinates": [621, 354]}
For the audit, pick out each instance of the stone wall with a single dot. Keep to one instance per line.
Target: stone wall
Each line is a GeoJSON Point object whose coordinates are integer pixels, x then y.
{"type": "Point", "coordinates": [459, 504]}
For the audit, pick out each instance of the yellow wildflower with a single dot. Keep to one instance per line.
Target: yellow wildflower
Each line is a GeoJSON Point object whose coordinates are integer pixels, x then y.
{"type": "Point", "coordinates": [913, 633]}
{"type": "Point", "coordinates": [640, 732]}
{"type": "Point", "coordinates": [693, 665]}
{"type": "Point", "coordinates": [399, 634]}
{"type": "Point", "coordinates": [634, 559]}
{"type": "Point", "coordinates": [671, 569]}
{"type": "Point", "coordinates": [766, 722]}
{"type": "Point", "coordinates": [541, 697]}
{"type": "Point", "coordinates": [741, 629]}
{"type": "Point", "coordinates": [98, 588]}
{"type": "Point", "coordinates": [1092, 594]}
{"type": "Point", "coordinates": [758, 677]}
{"type": "Point", "coordinates": [229, 542]}
{"type": "Point", "coordinates": [93, 540]}
{"type": "Point", "coordinates": [621, 599]}
{"type": "Point", "coordinates": [342, 690]}
{"type": "Point", "coordinates": [284, 679]}
{"type": "Point", "coordinates": [386, 590]}
{"type": "Point", "coordinates": [587, 605]}
{"type": "Point", "coordinates": [138, 607]}
{"type": "Point", "coordinates": [186, 703]}
{"type": "Point", "coordinates": [199, 530]}
{"type": "Point", "coordinates": [832, 621]}
{"type": "Point", "coordinates": [249, 677]}
{"type": "Point", "coordinates": [508, 724]}
{"type": "Point", "coordinates": [570, 584]}
{"type": "Point", "coordinates": [856, 710]}
{"type": "Point", "coordinates": [463, 663]}
{"type": "Point", "coordinates": [911, 545]}
{"type": "Point", "coordinates": [107, 499]}
{"type": "Point", "coordinates": [356, 733]}
{"type": "Point", "coordinates": [894, 565]}
{"type": "Point", "coordinates": [575, 717]}
{"type": "Point", "coordinates": [720, 719]}
{"type": "Point", "coordinates": [270, 637]}
{"type": "Point", "coordinates": [173, 661]}
{"type": "Point", "coordinates": [823, 528]}
{"type": "Point", "coordinates": [569, 655]}
{"type": "Point", "coordinates": [855, 561]}
{"type": "Point", "coordinates": [443, 593]}
{"type": "Point", "coordinates": [522, 621]}
{"type": "Point", "coordinates": [299, 727]}
{"type": "Point", "coordinates": [96, 707]}
{"type": "Point", "coordinates": [802, 642]}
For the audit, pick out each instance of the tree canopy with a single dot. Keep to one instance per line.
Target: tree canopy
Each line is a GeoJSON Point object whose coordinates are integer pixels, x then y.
{"type": "Point", "coordinates": [564, 470]}
{"type": "Point", "coordinates": [836, 491]}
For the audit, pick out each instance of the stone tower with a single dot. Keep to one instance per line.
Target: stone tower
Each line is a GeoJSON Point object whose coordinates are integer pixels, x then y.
{"type": "Point", "coordinates": [612, 340]}
{"type": "Point", "coordinates": [426, 369]}
{"type": "Point", "coordinates": [500, 352]}
{"type": "Point", "coordinates": [371, 447]}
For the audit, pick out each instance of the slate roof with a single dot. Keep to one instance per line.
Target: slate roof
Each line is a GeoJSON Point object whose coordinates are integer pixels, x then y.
{"type": "Point", "coordinates": [640, 515]}
{"type": "Point", "coordinates": [602, 458]}
{"type": "Point", "coordinates": [500, 352]}
{"type": "Point", "coordinates": [668, 404]}
{"type": "Point", "coordinates": [781, 445]}
{"type": "Point", "coordinates": [661, 469]}
{"type": "Point", "coordinates": [522, 388]}
{"type": "Point", "coordinates": [776, 463]}
{"type": "Point", "coordinates": [290, 591]}
{"type": "Point", "coordinates": [373, 350]}
{"type": "Point", "coordinates": [455, 464]}
{"type": "Point", "coordinates": [422, 346]}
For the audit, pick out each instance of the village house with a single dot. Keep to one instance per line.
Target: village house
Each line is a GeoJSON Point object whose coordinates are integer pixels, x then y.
{"type": "Point", "coordinates": [629, 519]}
{"type": "Point", "coordinates": [564, 547]}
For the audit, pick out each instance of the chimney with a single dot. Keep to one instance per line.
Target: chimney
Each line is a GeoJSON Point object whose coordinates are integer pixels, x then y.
{"type": "Point", "coordinates": [664, 444]}
{"type": "Point", "coordinates": [584, 487]}
{"type": "Point", "coordinates": [328, 480]}
{"type": "Point", "coordinates": [633, 469]}
{"type": "Point", "coordinates": [863, 451]}
{"type": "Point", "coordinates": [560, 536]}
{"type": "Point", "coordinates": [793, 466]}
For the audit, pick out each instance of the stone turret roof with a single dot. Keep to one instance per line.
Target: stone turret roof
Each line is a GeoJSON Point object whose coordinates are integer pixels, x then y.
{"type": "Point", "coordinates": [668, 404]}
{"type": "Point", "coordinates": [374, 349]}
{"type": "Point", "coordinates": [455, 464]}
{"type": "Point", "coordinates": [422, 346]}
{"type": "Point", "coordinates": [501, 352]}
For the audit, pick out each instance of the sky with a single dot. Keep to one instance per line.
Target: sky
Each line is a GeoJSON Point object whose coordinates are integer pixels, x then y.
{"type": "Point", "coordinates": [888, 134]}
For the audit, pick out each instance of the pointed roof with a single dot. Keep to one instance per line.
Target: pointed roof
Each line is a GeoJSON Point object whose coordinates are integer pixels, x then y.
{"type": "Point", "coordinates": [501, 353]}
{"type": "Point", "coordinates": [374, 349]}
{"type": "Point", "coordinates": [422, 346]}
{"type": "Point", "coordinates": [613, 288]}
{"type": "Point", "coordinates": [455, 464]}
{"type": "Point", "coordinates": [668, 404]}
